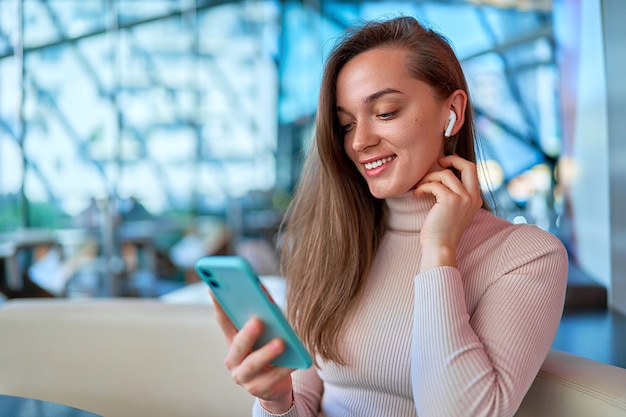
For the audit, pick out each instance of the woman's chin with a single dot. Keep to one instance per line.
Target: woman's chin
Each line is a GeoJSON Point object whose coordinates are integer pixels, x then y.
{"type": "Point", "coordinates": [387, 193]}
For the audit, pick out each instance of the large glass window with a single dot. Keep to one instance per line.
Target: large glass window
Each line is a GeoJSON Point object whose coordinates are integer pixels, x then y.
{"type": "Point", "coordinates": [169, 102]}
{"type": "Point", "coordinates": [172, 110]}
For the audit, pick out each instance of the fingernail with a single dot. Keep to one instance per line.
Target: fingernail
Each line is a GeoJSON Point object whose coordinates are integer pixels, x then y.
{"type": "Point", "coordinates": [277, 345]}
{"type": "Point", "coordinates": [251, 326]}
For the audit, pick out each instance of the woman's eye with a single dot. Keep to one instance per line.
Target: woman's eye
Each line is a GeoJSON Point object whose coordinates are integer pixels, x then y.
{"type": "Point", "coordinates": [387, 115]}
{"type": "Point", "coordinates": [347, 127]}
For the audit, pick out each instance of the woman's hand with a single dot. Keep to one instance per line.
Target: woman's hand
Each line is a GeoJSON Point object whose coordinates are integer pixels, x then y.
{"type": "Point", "coordinates": [458, 201]}
{"type": "Point", "coordinates": [251, 368]}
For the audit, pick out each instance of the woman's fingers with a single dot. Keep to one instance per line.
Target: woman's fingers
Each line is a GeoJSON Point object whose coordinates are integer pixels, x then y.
{"type": "Point", "coordinates": [256, 374]}
{"type": "Point", "coordinates": [270, 384]}
{"type": "Point", "coordinates": [243, 342]}
{"type": "Point", "coordinates": [469, 174]}
{"type": "Point", "coordinates": [468, 187]}
{"type": "Point", "coordinates": [444, 177]}
{"type": "Point", "coordinates": [250, 368]}
{"type": "Point", "coordinates": [444, 194]}
{"type": "Point", "coordinates": [227, 326]}
{"type": "Point", "coordinates": [256, 366]}
{"type": "Point", "coordinates": [458, 200]}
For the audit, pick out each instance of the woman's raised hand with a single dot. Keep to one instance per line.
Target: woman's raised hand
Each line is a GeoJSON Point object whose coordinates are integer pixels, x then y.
{"type": "Point", "coordinates": [251, 368]}
{"type": "Point", "coordinates": [458, 201]}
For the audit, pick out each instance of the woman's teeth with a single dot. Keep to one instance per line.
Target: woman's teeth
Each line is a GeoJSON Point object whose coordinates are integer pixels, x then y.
{"type": "Point", "coordinates": [376, 164]}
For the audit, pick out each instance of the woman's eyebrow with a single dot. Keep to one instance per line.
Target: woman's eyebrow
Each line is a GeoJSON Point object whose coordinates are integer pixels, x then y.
{"type": "Point", "coordinates": [375, 96]}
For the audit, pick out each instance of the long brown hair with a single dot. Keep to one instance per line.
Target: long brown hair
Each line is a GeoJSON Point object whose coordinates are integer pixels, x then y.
{"type": "Point", "coordinates": [333, 227]}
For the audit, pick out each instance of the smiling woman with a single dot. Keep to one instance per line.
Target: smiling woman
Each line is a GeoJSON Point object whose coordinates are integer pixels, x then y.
{"type": "Point", "coordinates": [413, 297]}
{"type": "Point", "coordinates": [391, 121]}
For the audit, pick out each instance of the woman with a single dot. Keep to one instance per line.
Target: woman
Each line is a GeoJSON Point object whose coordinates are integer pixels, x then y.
{"type": "Point", "coordinates": [413, 297]}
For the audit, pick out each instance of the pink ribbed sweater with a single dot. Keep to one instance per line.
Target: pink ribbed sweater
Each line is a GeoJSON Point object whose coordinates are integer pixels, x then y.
{"type": "Point", "coordinates": [448, 342]}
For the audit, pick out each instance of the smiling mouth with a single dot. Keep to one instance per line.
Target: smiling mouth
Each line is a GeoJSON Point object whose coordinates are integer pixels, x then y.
{"type": "Point", "coordinates": [376, 164]}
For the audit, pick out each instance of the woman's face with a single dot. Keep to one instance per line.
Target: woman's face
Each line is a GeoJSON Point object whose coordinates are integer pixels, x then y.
{"type": "Point", "coordinates": [392, 124]}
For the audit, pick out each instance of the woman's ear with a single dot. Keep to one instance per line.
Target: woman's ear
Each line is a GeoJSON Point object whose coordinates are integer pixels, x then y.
{"type": "Point", "coordinates": [457, 103]}
{"type": "Point", "coordinates": [451, 123]}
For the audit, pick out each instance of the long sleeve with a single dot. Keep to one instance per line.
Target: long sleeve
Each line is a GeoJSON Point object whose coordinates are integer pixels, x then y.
{"type": "Point", "coordinates": [480, 360]}
{"type": "Point", "coordinates": [450, 342]}
{"type": "Point", "coordinates": [308, 390]}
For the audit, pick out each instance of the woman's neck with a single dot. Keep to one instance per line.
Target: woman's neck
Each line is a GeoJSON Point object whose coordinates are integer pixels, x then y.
{"type": "Point", "coordinates": [407, 212]}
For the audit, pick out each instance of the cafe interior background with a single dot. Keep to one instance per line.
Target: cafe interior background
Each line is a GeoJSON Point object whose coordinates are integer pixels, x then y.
{"type": "Point", "coordinates": [137, 136]}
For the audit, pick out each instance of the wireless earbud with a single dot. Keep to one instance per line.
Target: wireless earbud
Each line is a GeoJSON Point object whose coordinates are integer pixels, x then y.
{"type": "Point", "coordinates": [451, 122]}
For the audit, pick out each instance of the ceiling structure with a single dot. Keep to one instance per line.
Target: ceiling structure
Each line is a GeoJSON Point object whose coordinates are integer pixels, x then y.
{"type": "Point", "coordinates": [188, 105]}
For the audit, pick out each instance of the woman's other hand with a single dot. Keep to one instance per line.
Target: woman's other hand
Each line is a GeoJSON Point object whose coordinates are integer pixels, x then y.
{"type": "Point", "coordinates": [252, 368]}
{"type": "Point", "coordinates": [457, 203]}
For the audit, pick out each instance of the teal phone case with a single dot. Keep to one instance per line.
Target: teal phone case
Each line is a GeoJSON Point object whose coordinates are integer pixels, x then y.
{"type": "Point", "coordinates": [241, 294]}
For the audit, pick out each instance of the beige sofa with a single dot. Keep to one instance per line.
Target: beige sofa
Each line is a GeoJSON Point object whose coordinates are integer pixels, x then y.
{"type": "Point", "coordinates": [128, 358]}
{"type": "Point", "coordinates": [118, 358]}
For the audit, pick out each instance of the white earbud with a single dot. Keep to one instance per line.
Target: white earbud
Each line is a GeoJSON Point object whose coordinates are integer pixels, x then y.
{"type": "Point", "coordinates": [451, 122]}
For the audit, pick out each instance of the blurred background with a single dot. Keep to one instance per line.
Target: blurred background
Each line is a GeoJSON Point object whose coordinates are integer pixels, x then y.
{"type": "Point", "coordinates": [137, 136]}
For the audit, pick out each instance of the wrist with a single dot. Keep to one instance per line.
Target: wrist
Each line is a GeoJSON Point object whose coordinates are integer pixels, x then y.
{"type": "Point", "coordinates": [437, 256]}
{"type": "Point", "coordinates": [278, 406]}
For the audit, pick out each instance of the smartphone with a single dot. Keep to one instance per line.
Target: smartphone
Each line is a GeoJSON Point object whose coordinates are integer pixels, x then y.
{"type": "Point", "coordinates": [241, 295]}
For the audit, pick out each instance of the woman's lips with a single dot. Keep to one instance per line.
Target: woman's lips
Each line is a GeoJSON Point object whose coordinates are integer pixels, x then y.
{"type": "Point", "coordinates": [377, 166]}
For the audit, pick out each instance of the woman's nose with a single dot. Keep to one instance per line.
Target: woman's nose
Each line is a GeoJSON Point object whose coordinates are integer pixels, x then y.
{"type": "Point", "coordinates": [363, 137]}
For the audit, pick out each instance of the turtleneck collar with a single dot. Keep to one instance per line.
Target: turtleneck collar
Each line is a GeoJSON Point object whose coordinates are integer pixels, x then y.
{"type": "Point", "coordinates": [407, 212]}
